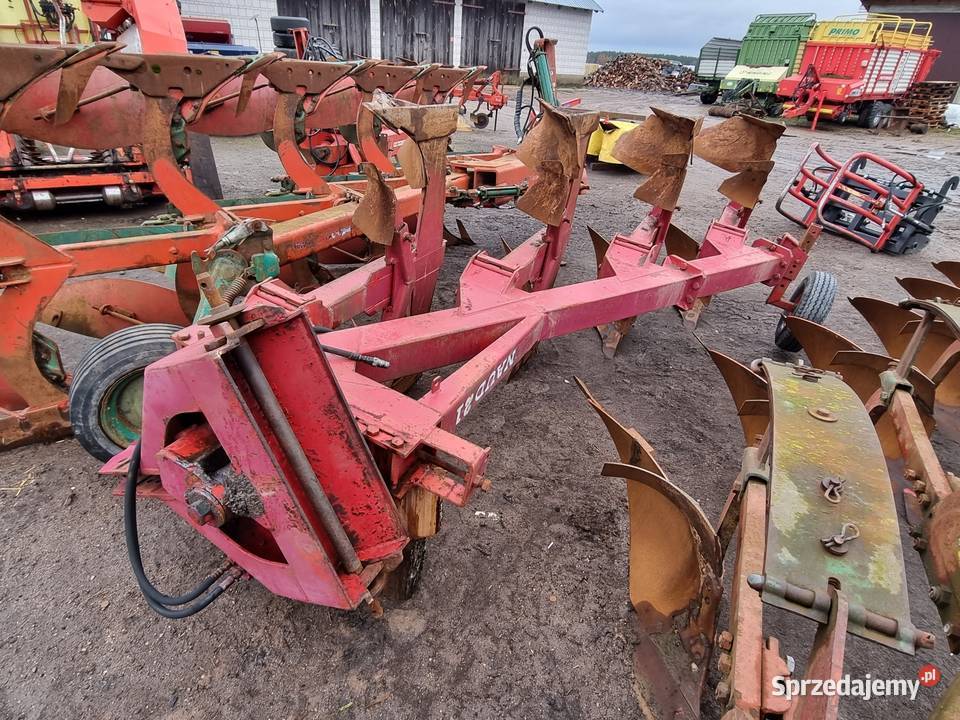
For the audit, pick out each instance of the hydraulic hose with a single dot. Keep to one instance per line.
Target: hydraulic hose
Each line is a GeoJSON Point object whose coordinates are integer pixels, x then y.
{"type": "Point", "coordinates": [219, 581]}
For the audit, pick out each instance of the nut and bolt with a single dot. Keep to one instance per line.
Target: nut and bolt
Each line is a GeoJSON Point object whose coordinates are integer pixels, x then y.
{"type": "Point", "coordinates": [725, 641]}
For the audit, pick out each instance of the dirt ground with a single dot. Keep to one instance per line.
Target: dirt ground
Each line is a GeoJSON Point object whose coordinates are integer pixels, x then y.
{"type": "Point", "coordinates": [523, 611]}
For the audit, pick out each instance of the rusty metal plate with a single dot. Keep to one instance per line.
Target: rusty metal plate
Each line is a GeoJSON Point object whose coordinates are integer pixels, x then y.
{"type": "Point", "coordinates": [23, 63]}
{"type": "Point", "coordinates": [387, 77]}
{"type": "Point", "coordinates": [744, 145]}
{"type": "Point", "coordinates": [821, 430]}
{"type": "Point", "coordinates": [156, 74]}
{"type": "Point", "coordinates": [948, 312]}
{"type": "Point", "coordinates": [287, 75]}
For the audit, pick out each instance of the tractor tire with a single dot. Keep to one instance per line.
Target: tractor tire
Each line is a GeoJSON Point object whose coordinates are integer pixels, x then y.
{"type": "Point", "coordinates": [814, 297]}
{"type": "Point", "coordinates": [480, 120]}
{"type": "Point", "coordinates": [106, 391]}
{"type": "Point", "coordinates": [870, 115]}
{"type": "Point", "coordinates": [286, 23]}
{"type": "Point", "coordinates": [284, 40]}
{"type": "Point", "coordinates": [709, 97]}
{"type": "Point", "coordinates": [402, 583]}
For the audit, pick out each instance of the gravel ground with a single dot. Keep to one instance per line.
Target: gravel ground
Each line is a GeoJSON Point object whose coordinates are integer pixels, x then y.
{"type": "Point", "coordinates": [522, 613]}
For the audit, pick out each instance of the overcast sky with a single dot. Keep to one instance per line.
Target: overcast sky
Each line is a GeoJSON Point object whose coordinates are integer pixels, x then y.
{"type": "Point", "coordinates": [682, 26]}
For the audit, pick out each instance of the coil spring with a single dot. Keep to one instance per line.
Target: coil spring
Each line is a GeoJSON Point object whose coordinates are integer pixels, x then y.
{"type": "Point", "coordinates": [233, 290]}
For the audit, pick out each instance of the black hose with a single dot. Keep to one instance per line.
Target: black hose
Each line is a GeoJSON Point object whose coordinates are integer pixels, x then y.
{"type": "Point", "coordinates": [155, 599]}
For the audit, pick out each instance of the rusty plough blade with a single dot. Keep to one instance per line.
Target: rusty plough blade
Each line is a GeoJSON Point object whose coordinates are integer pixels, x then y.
{"type": "Point", "coordinates": [551, 150]}
{"type": "Point", "coordinates": [660, 147]}
{"type": "Point", "coordinates": [814, 516]}
{"type": "Point", "coordinates": [675, 571]}
{"type": "Point", "coordinates": [744, 145]}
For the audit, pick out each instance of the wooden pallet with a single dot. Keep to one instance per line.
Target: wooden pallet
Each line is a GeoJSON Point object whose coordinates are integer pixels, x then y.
{"type": "Point", "coordinates": [929, 100]}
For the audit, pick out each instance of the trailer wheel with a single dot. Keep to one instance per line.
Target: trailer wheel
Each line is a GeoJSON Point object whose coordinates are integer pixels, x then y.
{"type": "Point", "coordinates": [285, 23]}
{"type": "Point", "coordinates": [480, 120]}
{"type": "Point", "coordinates": [709, 97]}
{"type": "Point", "coordinates": [871, 115]}
{"type": "Point", "coordinates": [813, 297]}
{"type": "Point", "coordinates": [106, 394]}
{"type": "Point", "coordinates": [402, 582]}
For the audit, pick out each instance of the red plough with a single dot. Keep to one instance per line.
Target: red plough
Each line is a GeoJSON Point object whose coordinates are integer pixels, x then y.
{"type": "Point", "coordinates": [321, 481]}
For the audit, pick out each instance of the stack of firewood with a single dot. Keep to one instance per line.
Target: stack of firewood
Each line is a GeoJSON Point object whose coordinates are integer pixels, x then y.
{"type": "Point", "coordinates": [639, 72]}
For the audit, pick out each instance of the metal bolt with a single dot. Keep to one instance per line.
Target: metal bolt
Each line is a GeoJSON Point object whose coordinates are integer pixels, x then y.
{"type": "Point", "coordinates": [920, 544]}
{"type": "Point", "coordinates": [924, 499]}
{"type": "Point", "coordinates": [725, 640]}
{"type": "Point", "coordinates": [920, 487]}
{"type": "Point", "coordinates": [910, 474]}
{"type": "Point", "coordinates": [821, 413]}
{"type": "Point", "coordinates": [396, 442]}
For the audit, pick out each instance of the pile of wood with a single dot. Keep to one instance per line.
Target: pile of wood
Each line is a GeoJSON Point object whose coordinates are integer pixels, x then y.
{"type": "Point", "coordinates": [638, 72]}
{"type": "Point", "coordinates": [928, 101]}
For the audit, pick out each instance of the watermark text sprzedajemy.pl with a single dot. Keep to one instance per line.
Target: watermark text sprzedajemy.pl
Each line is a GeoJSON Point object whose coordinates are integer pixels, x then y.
{"type": "Point", "coordinates": [864, 688]}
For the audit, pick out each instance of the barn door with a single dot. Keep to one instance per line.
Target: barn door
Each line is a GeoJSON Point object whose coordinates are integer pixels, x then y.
{"type": "Point", "coordinates": [417, 30]}
{"type": "Point", "coordinates": [492, 34]}
{"type": "Point", "coordinates": [345, 23]}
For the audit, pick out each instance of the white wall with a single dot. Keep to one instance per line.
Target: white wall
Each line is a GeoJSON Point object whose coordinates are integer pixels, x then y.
{"type": "Point", "coordinates": [240, 14]}
{"type": "Point", "coordinates": [569, 26]}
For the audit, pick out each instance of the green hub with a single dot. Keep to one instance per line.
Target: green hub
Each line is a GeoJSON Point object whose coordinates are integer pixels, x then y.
{"type": "Point", "coordinates": [121, 409]}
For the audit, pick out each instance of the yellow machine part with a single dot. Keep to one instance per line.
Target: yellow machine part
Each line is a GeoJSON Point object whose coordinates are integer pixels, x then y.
{"type": "Point", "coordinates": [605, 137]}
{"type": "Point", "coordinates": [874, 29]}
{"type": "Point", "coordinates": [19, 25]}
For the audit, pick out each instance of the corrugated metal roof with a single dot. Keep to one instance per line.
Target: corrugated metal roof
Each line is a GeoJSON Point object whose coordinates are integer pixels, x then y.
{"type": "Point", "coordinates": [579, 4]}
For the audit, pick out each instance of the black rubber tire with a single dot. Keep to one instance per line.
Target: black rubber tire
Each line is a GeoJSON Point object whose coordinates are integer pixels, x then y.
{"type": "Point", "coordinates": [284, 40]}
{"type": "Point", "coordinates": [709, 97]}
{"type": "Point", "coordinates": [402, 583]}
{"type": "Point", "coordinates": [775, 110]}
{"type": "Point", "coordinates": [871, 115]}
{"type": "Point", "coordinates": [111, 359]}
{"type": "Point", "coordinates": [285, 23]}
{"type": "Point", "coordinates": [480, 120]}
{"type": "Point", "coordinates": [918, 128]}
{"type": "Point", "coordinates": [814, 297]}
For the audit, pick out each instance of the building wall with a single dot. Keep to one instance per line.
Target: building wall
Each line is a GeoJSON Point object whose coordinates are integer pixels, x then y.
{"type": "Point", "coordinates": [945, 17]}
{"type": "Point", "coordinates": [570, 26]}
{"type": "Point", "coordinates": [244, 17]}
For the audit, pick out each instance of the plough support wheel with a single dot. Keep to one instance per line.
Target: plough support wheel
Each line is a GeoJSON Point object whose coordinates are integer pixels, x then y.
{"type": "Point", "coordinates": [813, 297]}
{"type": "Point", "coordinates": [106, 394]}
